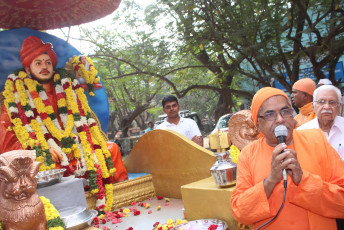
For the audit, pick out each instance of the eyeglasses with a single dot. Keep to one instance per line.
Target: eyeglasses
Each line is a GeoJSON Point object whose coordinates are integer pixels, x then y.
{"type": "Point", "coordinates": [330, 103]}
{"type": "Point", "coordinates": [272, 115]}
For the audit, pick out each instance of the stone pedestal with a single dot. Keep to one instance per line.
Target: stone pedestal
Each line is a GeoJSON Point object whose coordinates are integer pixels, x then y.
{"type": "Point", "coordinates": [203, 199]}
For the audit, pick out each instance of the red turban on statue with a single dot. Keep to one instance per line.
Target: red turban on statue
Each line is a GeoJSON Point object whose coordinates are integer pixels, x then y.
{"type": "Point", "coordinates": [262, 95]}
{"type": "Point", "coordinates": [305, 85]}
{"type": "Point", "coordinates": [33, 47]}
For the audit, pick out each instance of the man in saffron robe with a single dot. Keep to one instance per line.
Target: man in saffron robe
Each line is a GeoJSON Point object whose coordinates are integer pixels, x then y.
{"type": "Point", "coordinates": [39, 61]}
{"type": "Point", "coordinates": [315, 184]}
{"type": "Point", "coordinates": [302, 98]}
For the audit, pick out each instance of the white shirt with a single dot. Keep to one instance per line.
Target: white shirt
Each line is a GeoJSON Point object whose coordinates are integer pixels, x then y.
{"type": "Point", "coordinates": [336, 135]}
{"type": "Point", "coordinates": [185, 126]}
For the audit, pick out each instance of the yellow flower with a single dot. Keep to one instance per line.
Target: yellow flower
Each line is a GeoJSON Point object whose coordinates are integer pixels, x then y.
{"type": "Point", "coordinates": [179, 221]}
{"type": "Point", "coordinates": [126, 211]}
{"type": "Point", "coordinates": [234, 152]}
{"type": "Point", "coordinates": [170, 222]}
{"type": "Point", "coordinates": [109, 196]}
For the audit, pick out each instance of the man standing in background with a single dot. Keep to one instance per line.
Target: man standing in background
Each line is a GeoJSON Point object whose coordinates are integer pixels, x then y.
{"type": "Point", "coordinates": [327, 102]}
{"type": "Point", "coordinates": [302, 98]}
{"type": "Point", "coordinates": [185, 126]}
{"type": "Point", "coordinates": [150, 127]}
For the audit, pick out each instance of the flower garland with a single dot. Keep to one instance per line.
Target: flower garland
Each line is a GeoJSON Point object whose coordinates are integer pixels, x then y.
{"type": "Point", "coordinates": [90, 76]}
{"type": "Point", "coordinates": [37, 127]}
{"type": "Point", "coordinates": [234, 152]}
{"type": "Point", "coordinates": [54, 221]}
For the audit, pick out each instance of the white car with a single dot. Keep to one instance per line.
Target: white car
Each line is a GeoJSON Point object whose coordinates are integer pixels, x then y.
{"type": "Point", "coordinates": [222, 123]}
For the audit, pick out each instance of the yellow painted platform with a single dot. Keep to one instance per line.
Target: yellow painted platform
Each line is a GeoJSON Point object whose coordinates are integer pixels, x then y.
{"type": "Point", "coordinates": [172, 159]}
{"type": "Point", "coordinates": [203, 199]}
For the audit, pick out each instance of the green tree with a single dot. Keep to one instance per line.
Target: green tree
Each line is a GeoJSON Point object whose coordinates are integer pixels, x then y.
{"type": "Point", "coordinates": [217, 45]}
{"type": "Point", "coordinates": [258, 39]}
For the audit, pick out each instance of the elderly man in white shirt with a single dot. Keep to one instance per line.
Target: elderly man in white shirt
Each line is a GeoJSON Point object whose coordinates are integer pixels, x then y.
{"type": "Point", "coordinates": [326, 105]}
{"type": "Point", "coordinates": [185, 126]}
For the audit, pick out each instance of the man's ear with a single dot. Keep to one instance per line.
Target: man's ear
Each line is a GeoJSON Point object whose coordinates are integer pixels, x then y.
{"type": "Point", "coordinates": [27, 69]}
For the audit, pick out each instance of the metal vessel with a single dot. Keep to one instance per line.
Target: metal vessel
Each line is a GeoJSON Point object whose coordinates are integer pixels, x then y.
{"type": "Point", "coordinates": [224, 170]}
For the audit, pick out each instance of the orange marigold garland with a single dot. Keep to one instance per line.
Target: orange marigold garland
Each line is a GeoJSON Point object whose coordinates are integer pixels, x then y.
{"type": "Point", "coordinates": [37, 127]}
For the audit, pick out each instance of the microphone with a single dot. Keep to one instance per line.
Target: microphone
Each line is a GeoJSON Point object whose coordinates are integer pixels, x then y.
{"type": "Point", "coordinates": [281, 133]}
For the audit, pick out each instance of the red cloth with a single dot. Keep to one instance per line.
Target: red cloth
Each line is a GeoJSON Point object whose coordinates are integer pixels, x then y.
{"type": "Point", "coordinates": [314, 204]}
{"type": "Point", "coordinates": [32, 47]}
{"type": "Point", "coordinates": [121, 173]}
{"type": "Point", "coordinates": [9, 141]}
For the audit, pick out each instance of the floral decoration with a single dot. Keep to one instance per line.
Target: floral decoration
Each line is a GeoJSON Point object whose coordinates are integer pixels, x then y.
{"type": "Point", "coordinates": [213, 227]}
{"type": "Point", "coordinates": [234, 152]}
{"type": "Point", "coordinates": [54, 221]}
{"type": "Point", "coordinates": [37, 127]}
{"type": "Point", "coordinates": [89, 75]}
{"type": "Point", "coordinates": [169, 224]}
{"type": "Point", "coordinates": [117, 216]}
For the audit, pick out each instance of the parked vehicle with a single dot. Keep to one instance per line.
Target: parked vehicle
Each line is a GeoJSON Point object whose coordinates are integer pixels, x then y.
{"type": "Point", "coordinates": [222, 123]}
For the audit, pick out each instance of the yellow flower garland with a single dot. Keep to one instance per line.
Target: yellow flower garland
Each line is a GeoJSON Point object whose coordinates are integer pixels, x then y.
{"type": "Point", "coordinates": [34, 98]}
{"type": "Point", "coordinates": [89, 76]}
{"type": "Point", "coordinates": [52, 215]}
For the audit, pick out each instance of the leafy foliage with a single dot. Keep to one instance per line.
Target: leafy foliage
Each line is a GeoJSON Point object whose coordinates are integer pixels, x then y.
{"type": "Point", "coordinates": [227, 48]}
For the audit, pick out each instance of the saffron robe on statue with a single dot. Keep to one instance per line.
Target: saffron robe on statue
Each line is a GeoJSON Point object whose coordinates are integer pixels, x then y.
{"type": "Point", "coordinates": [306, 114]}
{"type": "Point", "coordinates": [313, 204]}
{"type": "Point", "coordinates": [9, 141]}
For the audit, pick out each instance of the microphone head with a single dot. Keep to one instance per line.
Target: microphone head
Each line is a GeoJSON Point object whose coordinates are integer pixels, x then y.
{"type": "Point", "coordinates": [281, 130]}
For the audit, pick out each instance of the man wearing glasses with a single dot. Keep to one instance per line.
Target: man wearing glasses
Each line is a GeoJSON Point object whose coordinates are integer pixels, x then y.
{"type": "Point", "coordinates": [175, 122]}
{"type": "Point", "coordinates": [314, 171]}
{"type": "Point", "coordinates": [327, 102]}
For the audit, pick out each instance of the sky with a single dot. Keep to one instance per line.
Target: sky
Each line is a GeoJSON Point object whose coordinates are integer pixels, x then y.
{"type": "Point", "coordinates": [84, 47]}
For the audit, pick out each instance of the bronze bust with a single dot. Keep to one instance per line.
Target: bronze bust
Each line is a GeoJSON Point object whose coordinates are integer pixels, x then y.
{"type": "Point", "coordinates": [21, 207]}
